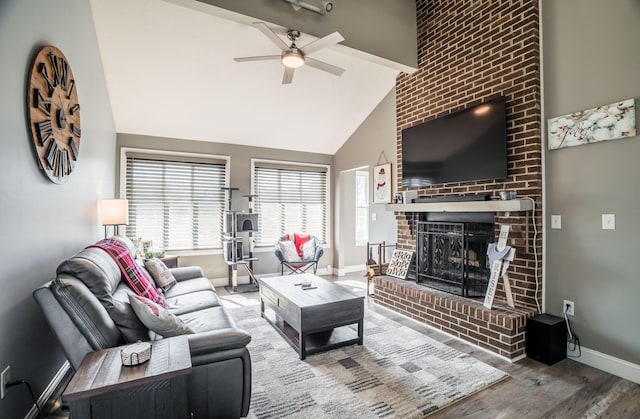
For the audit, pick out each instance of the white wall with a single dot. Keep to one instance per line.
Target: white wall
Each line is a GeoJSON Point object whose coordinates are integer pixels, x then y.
{"type": "Point", "coordinates": [43, 223]}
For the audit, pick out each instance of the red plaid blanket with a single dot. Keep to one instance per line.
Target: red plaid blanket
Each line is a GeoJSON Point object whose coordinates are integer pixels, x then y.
{"type": "Point", "coordinates": [135, 277]}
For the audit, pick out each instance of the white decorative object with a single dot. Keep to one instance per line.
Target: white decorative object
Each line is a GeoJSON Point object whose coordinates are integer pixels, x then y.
{"type": "Point", "coordinates": [136, 353]}
{"type": "Point", "coordinates": [493, 283]}
{"type": "Point", "coordinates": [500, 256]}
{"type": "Point", "coordinates": [502, 238]}
{"type": "Point", "coordinates": [608, 122]}
{"type": "Point", "coordinates": [399, 263]}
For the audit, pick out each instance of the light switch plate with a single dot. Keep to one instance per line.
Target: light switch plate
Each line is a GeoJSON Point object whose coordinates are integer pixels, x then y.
{"type": "Point", "coordinates": [556, 222]}
{"type": "Point", "coordinates": [608, 221]}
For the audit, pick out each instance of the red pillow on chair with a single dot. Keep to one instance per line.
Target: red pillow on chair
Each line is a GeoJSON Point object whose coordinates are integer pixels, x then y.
{"type": "Point", "coordinates": [298, 239]}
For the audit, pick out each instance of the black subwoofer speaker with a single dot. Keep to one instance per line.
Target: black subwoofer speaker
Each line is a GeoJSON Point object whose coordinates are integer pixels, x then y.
{"type": "Point", "coordinates": [546, 338]}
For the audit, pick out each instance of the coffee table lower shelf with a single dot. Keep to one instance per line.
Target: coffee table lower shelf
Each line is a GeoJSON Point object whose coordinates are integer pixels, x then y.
{"type": "Point", "coordinates": [318, 340]}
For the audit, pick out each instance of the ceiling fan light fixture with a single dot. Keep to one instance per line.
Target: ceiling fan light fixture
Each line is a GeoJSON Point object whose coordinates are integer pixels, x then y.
{"type": "Point", "coordinates": [292, 58]}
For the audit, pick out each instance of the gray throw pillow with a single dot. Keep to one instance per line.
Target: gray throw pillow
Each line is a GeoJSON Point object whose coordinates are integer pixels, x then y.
{"type": "Point", "coordinates": [157, 318]}
{"type": "Point", "coordinates": [160, 273]}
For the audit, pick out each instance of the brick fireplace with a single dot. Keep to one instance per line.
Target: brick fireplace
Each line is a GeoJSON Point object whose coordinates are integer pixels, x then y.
{"type": "Point", "coordinates": [450, 252]}
{"type": "Point", "coordinates": [467, 53]}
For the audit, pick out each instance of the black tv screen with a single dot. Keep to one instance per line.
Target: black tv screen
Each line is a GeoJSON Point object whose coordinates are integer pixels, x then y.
{"type": "Point", "coordinates": [467, 145]}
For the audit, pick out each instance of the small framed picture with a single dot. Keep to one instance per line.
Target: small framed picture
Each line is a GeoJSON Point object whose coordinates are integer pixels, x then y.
{"type": "Point", "coordinates": [400, 263]}
{"type": "Point", "coordinates": [382, 184]}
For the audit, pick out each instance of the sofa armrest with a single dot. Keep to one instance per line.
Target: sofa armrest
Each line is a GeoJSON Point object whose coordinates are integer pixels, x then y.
{"type": "Point", "coordinates": [187, 272]}
{"type": "Point", "coordinates": [218, 340]}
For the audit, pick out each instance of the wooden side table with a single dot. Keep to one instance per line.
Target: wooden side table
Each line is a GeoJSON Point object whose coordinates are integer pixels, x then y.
{"type": "Point", "coordinates": [102, 388]}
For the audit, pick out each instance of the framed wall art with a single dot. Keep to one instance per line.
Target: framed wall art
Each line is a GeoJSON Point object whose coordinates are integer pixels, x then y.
{"type": "Point", "coordinates": [382, 184]}
{"type": "Point", "coordinates": [400, 263]}
{"type": "Point", "coordinates": [607, 122]}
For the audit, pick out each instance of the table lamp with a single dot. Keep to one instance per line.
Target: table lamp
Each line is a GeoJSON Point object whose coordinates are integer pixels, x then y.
{"type": "Point", "coordinates": [115, 212]}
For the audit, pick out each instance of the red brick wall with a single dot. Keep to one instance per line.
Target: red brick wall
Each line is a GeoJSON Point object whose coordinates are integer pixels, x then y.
{"type": "Point", "coordinates": [469, 51]}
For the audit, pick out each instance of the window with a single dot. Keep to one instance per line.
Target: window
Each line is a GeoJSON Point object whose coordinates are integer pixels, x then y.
{"type": "Point", "coordinates": [175, 200]}
{"type": "Point", "coordinates": [362, 207]}
{"type": "Point", "coordinates": [291, 197]}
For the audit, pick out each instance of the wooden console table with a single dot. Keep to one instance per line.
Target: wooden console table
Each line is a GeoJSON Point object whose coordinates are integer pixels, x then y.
{"type": "Point", "coordinates": [102, 388]}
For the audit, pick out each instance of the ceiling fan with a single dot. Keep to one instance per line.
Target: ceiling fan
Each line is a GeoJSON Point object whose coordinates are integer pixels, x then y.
{"type": "Point", "coordinates": [292, 56]}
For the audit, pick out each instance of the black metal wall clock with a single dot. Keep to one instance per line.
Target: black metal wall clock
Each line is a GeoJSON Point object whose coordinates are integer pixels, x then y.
{"type": "Point", "coordinates": [54, 114]}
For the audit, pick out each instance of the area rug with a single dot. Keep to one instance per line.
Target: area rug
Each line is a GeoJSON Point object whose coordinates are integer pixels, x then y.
{"type": "Point", "coordinates": [398, 372]}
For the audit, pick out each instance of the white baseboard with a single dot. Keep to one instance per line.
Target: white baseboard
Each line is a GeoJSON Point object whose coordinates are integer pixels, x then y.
{"type": "Point", "coordinates": [353, 268]}
{"type": "Point", "coordinates": [607, 363]}
{"type": "Point", "coordinates": [47, 393]}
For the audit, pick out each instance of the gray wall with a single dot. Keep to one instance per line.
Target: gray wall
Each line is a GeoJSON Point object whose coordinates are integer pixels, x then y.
{"type": "Point", "coordinates": [240, 177]}
{"type": "Point", "coordinates": [43, 223]}
{"type": "Point", "coordinates": [376, 135]}
{"type": "Point", "coordinates": [591, 58]}
{"type": "Point", "coordinates": [379, 27]}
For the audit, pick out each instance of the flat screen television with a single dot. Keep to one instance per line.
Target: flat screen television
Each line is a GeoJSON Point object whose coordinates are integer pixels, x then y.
{"type": "Point", "coordinates": [467, 145]}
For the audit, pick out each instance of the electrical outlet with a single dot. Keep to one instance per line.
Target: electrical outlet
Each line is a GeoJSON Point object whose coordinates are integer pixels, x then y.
{"type": "Point", "coordinates": [568, 307]}
{"type": "Point", "coordinates": [4, 379]}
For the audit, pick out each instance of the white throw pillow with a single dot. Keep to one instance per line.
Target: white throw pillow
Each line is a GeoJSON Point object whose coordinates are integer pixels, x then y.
{"type": "Point", "coordinates": [309, 250]}
{"type": "Point", "coordinates": [289, 252]}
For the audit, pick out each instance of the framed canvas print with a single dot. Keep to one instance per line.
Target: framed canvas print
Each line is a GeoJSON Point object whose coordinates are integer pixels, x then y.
{"type": "Point", "coordinates": [400, 263]}
{"type": "Point", "coordinates": [382, 184]}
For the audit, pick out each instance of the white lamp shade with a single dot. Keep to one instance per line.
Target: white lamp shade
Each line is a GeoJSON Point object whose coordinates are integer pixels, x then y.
{"type": "Point", "coordinates": [115, 211]}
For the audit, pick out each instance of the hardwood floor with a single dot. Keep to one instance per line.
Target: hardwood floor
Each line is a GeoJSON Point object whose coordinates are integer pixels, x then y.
{"type": "Point", "coordinates": [567, 389]}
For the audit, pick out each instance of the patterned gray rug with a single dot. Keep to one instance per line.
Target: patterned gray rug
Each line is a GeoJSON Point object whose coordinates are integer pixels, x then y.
{"type": "Point", "coordinates": [398, 372]}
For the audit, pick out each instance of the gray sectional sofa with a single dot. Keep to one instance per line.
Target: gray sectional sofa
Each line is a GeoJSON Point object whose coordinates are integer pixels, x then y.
{"type": "Point", "coordinates": [87, 307]}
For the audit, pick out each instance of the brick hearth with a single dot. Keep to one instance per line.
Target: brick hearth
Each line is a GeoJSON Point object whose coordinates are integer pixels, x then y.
{"type": "Point", "coordinates": [500, 330]}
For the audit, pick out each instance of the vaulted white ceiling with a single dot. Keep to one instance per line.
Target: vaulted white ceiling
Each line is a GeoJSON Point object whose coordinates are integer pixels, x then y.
{"type": "Point", "coordinates": [170, 73]}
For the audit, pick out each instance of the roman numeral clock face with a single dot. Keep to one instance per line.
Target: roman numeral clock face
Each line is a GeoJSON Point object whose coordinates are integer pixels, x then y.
{"type": "Point", "coordinates": [54, 114]}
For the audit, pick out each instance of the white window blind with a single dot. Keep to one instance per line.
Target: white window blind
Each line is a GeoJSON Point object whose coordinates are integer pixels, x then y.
{"type": "Point", "coordinates": [174, 201]}
{"type": "Point", "coordinates": [291, 199]}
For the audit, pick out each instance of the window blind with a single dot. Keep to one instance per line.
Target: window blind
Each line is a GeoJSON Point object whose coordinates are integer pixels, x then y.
{"type": "Point", "coordinates": [290, 199]}
{"type": "Point", "coordinates": [177, 204]}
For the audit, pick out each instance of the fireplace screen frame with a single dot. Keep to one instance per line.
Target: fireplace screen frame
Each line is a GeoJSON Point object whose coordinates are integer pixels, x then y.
{"type": "Point", "coordinates": [452, 256]}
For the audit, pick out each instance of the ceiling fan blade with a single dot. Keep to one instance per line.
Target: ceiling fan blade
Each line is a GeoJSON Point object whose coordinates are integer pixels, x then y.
{"type": "Point", "coordinates": [287, 78]}
{"type": "Point", "coordinates": [321, 65]}
{"type": "Point", "coordinates": [318, 44]}
{"type": "Point", "coordinates": [257, 58]}
{"type": "Point", "coordinates": [271, 35]}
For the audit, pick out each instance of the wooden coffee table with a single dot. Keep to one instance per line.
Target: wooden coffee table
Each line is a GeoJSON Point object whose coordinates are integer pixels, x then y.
{"type": "Point", "coordinates": [312, 319]}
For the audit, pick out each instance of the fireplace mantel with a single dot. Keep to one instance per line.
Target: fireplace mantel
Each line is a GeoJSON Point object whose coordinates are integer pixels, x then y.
{"type": "Point", "coordinates": [465, 206]}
